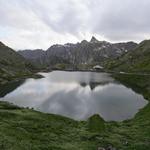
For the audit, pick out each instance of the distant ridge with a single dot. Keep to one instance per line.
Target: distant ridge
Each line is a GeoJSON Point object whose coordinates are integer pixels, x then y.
{"type": "Point", "coordinates": [92, 52]}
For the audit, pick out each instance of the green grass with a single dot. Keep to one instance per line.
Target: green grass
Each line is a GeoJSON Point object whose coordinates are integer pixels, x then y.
{"type": "Point", "coordinates": [27, 129]}
{"type": "Point", "coordinates": [136, 60]}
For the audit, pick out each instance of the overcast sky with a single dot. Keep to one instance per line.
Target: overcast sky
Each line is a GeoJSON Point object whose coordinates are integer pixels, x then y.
{"type": "Point", "coordinates": [41, 23]}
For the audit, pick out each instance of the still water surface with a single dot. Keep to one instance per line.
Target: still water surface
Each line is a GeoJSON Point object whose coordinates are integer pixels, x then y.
{"type": "Point", "coordinates": [77, 95]}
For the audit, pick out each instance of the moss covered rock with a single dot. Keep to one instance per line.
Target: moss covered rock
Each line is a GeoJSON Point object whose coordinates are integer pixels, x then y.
{"type": "Point", "coordinates": [96, 123]}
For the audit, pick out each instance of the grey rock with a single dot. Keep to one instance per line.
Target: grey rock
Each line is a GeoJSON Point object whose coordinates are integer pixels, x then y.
{"type": "Point", "coordinates": [80, 53]}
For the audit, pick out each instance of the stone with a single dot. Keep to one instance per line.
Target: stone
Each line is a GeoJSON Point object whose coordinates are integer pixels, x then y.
{"type": "Point", "coordinates": [101, 148]}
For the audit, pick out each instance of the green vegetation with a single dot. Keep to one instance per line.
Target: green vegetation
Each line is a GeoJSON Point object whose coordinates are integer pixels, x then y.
{"type": "Point", "coordinates": [24, 129]}
{"type": "Point", "coordinates": [12, 65]}
{"type": "Point", "coordinates": [96, 123]}
{"type": "Point", "coordinates": [136, 60]}
{"type": "Point", "coordinates": [61, 66]}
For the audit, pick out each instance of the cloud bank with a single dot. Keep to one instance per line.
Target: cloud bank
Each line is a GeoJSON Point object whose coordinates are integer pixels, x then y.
{"type": "Point", "coordinates": [39, 24]}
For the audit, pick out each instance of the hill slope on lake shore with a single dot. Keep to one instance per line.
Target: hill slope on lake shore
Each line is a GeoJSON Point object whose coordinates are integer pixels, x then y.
{"type": "Point", "coordinates": [12, 64]}
{"type": "Point", "coordinates": [137, 60]}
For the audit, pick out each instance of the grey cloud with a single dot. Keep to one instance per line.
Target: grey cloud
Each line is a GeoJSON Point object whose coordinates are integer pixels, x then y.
{"type": "Point", "coordinates": [124, 20]}
{"type": "Point", "coordinates": [62, 16]}
{"type": "Point", "coordinates": [62, 20]}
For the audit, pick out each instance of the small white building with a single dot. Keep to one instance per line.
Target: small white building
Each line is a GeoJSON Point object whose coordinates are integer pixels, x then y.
{"type": "Point", "coordinates": [98, 67]}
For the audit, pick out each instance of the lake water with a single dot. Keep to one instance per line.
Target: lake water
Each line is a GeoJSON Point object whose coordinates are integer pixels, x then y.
{"type": "Point", "coordinates": [77, 95]}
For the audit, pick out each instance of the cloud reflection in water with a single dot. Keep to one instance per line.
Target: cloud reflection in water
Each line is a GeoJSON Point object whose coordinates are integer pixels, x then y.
{"type": "Point", "coordinates": [78, 95]}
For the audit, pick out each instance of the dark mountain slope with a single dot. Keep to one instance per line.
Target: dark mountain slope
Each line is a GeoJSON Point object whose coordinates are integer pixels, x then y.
{"type": "Point", "coordinates": [12, 64]}
{"type": "Point", "coordinates": [137, 60]}
{"type": "Point", "coordinates": [37, 57]}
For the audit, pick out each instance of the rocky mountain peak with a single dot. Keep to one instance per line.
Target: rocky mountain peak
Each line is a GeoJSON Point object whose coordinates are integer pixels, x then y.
{"type": "Point", "coordinates": [84, 42]}
{"type": "Point", "coordinates": [80, 53]}
{"type": "Point", "coordinates": [93, 40]}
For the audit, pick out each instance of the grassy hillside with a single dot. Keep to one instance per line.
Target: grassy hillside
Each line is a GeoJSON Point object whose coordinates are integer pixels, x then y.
{"type": "Point", "coordinates": [137, 60]}
{"type": "Point", "coordinates": [12, 65]}
{"type": "Point", "coordinates": [23, 129]}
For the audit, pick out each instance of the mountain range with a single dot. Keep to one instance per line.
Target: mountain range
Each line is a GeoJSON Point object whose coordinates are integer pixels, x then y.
{"type": "Point", "coordinates": [83, 53]}
{"type": "Point", "coordinates": [127, 57]}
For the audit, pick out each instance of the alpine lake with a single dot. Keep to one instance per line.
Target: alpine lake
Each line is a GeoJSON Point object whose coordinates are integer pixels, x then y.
{"type": "Point", "coordinates": [77, 95]}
